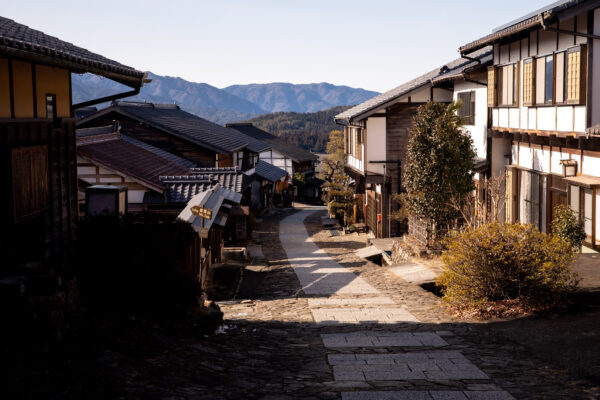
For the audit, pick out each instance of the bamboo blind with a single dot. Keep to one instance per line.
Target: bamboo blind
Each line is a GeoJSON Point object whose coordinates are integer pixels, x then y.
{"type": "Point", "coordinates": [492, 78]}
{"type": "Point", "coordinates": [574, 77]}
{"type": "Point", "coordinates": [528, 83]}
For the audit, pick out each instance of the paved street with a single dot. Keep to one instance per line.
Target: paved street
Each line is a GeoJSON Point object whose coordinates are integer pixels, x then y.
{"type": "Point", "coordinates": [364, 356]}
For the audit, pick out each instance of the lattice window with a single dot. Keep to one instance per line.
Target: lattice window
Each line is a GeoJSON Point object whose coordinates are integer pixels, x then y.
{"type": "Point", "coordinates": [574, 84]}
{"type": "Point", "coordinates": [528, 83]}
{"type": "Point", "coordinates": [492, 84]}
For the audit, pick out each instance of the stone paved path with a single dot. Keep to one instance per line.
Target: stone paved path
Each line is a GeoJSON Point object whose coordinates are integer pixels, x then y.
{"type": "Point", "coordinates": [369, 356]}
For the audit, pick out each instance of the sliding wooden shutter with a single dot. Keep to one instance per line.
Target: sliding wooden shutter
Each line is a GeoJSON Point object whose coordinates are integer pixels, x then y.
{"type": "Point", "coordinates": [30, 181]}
{"type": "Point", "coordinates": [492, 87]}
{"type": "Point", "coordinates": [576, 77]}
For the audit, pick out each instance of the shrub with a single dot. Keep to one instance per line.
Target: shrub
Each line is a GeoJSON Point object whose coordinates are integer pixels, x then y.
{"type": "Point", "coordinates": [498, 262]}
{"type": "Point", "coordinates": [566, 226]}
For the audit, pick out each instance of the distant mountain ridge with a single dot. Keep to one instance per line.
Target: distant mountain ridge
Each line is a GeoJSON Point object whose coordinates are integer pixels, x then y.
{"type": "Point", "coordinates": [234, 103]}
{"type": "Point", "coordinates": [312, 97]}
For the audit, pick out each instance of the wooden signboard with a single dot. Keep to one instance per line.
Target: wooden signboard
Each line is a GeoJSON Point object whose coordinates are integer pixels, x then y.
{"type": "Point", "coordinates": [201, 212]}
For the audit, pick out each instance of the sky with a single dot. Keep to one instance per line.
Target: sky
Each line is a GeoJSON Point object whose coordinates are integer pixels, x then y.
{"type": "Point", "coordinates": [370, 44]}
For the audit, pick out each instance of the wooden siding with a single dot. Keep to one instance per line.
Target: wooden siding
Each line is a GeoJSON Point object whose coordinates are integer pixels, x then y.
{"type": "Point", "coordinates": [50, 233]}
{"type": "Point", "coordinates": [202, 156]}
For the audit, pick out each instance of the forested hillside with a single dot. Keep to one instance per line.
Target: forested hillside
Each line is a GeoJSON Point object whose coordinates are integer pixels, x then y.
{"type": "Point", "coordinates": [308, 130]}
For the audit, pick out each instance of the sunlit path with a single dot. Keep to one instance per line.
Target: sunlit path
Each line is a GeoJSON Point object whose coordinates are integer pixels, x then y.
{"type": "Point", "coordinates": [317, 272]}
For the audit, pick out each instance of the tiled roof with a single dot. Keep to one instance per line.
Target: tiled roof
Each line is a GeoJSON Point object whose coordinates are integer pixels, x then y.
{"type": "Point", "coordinates": [377, 102]}
{"type": "Point", "coordinates": [229, 177]}
{"type": "Point", "coordinates": [268, 171]}
{"type": "Point", "coordinates": [160, 152]}
{"type": "Point", "coordinates": [173, 120]}
{"type": "Point", "coordinates": [212, 199]}
{"type": "Point", "coordinates": [485, 59]}
{"type": "Point", "coordinates": [20, 40]}
{"type": "Point", "coordinates": [130, 160]}
{"type": "Point", "coordinates": [295, 153]}
{"type": "Point", "coordinates": [182, 188]}
{"type": "Point", "coordinates": [528, 22]}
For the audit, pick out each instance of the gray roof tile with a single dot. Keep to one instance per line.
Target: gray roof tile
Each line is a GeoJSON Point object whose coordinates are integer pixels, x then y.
{"type": "Point", "coordinates": [295, 153]}
{"type": "Point", "coordinates": [18, 38]}
{"type": "Point", "coordinates": [376, 102]}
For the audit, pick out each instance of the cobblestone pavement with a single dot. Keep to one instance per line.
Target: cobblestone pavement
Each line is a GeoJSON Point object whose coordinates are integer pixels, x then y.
{"type": "Point", "coordinates": [271, 347]}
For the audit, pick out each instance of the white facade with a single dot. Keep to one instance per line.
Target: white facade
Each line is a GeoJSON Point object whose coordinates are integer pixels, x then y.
{"type": "Point", "coordinates": [277, 159]}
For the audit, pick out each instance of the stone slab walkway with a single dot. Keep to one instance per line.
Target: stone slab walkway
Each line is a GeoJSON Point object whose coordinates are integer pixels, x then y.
{"type": "Point", "coordinates": [370, 356]}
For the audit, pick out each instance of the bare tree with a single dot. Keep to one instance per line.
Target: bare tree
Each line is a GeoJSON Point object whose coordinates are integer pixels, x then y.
{"type": "Point", "coordinates": [478, 210]}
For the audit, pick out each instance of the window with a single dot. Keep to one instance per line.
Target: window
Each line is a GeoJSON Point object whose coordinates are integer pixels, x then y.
{"type": "Point", "coordinates": [560, 77]}
{"type": "Point", "coordinates": [549, 79]}
{"type": "Point", "coordinates": [467, 108]}
{"type": "Point", "coordinates": [50, 105]}
{"type": "Point", "coordinates": [529, 206]}
{"type": "Point", "coordinates": [508, 85]}
{"type": "Point", "coordinates": [528, 82]}
{"type": "Point", "coordinates": [30, 181]}
{"type": "Point", "coordinates": [492, 86]}
{"type": "Point", "coordinates": [575, 75]}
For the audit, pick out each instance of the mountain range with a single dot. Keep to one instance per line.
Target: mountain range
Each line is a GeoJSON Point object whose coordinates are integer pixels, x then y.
{"type": "Point", "coordinates": [230, 104]}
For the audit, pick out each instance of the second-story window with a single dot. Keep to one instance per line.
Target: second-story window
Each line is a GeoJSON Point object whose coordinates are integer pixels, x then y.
{"type": "Point", "coordinates": [50, 105]}
{"type": "Point", "coordinates": [508, 85]}
{"type": "Point", "coordinates": [467, 108]}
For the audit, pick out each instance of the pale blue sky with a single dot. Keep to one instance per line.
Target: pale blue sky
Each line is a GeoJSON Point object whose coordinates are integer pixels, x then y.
{"type": "Point", "coordinates": [373, 44]}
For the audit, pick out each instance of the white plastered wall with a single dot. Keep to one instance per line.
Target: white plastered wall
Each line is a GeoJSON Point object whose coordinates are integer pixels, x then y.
{"type": "Point", "coordinates": [376, 144]}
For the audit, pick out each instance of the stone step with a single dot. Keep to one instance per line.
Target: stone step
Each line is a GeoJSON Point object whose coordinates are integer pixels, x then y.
{"type": "Point", "coordinates": [360, 301]}
{"type": "Point", "coordinates": [429, 395]}
{"type": "Point", "coordinates": [383, 339]}
{"type": "Point", "coordinates": [431, 366]}
{"type": "Point", "coordinates": [334, 316]}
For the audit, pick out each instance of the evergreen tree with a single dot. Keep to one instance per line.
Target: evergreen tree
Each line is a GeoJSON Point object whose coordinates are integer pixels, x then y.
{"type": "Point", "coordinates": [439, 163]}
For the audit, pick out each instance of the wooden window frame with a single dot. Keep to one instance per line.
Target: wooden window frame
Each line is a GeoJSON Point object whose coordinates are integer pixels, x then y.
{"type": "Point", "coordinates": [532, 81]}
{"type": "Point", "coordinates": [469, 117]}
{"type": "Point", "coordinates": [515, 85]}
{"type": "Point", "coordinates": [582, 49]}
{"type": "Point", "coordinates": [492, 95]}
{"type": "Point", "coordinates": [51, 96]}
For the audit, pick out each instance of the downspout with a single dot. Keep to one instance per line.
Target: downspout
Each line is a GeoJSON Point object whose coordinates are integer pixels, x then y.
{"type": "Point", "coordinates": [135, 91]}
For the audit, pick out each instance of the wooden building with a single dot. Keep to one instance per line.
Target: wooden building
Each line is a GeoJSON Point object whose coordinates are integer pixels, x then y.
{"type": "Point", "coordinates": [168, 127]}
{"type": "Point", "coordinates": [290, 158]}
{"type": "Point", "coordinates": [376, 135]}
{"type": "Point", "coordinates": [105, 157]}
{"type": "Point", "coordinates": [543, 99]}
{"type": "Point", "coordinates": [37, 143]}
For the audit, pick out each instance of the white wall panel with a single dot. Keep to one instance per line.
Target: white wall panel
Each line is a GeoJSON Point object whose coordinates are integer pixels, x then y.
{"type": "Point", "coordinates": [376, 144]}
{"type": "Point", "coordinates": [541, 159]}
{"type": "Point", "coordinates": [515, 154]}
{"type": "Point", "coordinates": [495, 117]}
{"type": "Point", "coordinates": [546, 119]}
{"type": "Point", "coordinates": [525, 156]}
{"type": "Point", "coordinates": [580, 123]}
{"type": "Point", "coordinates": [564, 119]}
{"type": "Point", "coordinates": [532, 122]}
{"type": "Point", "coordinates": [503, 117]}
{"type": "Point", "coordinates": [590, 165]}
{"type": "Point", "coordinates": [514, 118]}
